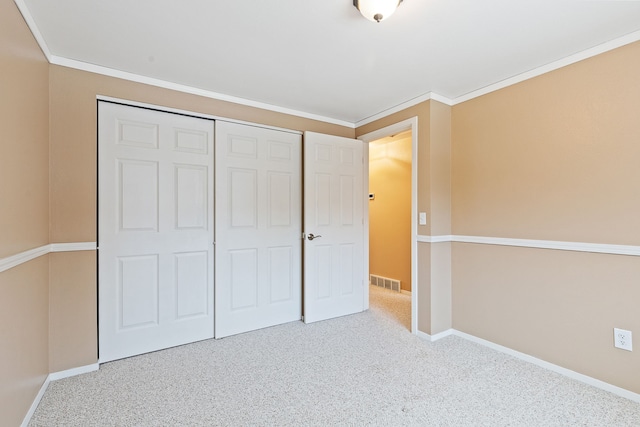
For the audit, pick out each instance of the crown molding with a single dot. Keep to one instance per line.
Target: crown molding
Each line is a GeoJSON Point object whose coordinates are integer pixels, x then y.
{"type": "Point", "coordinates": [552, 66]}
{"type": "Point", "coordinates": [403, 106]}
{"type": "Point", "coordinates": [31, 23]}
{"type": "Point", "coordinates": [572, 59]}
{"type": "Point", "coordinates": [79, 65]}
{"type": "Point", "coordinates": [125, 75]}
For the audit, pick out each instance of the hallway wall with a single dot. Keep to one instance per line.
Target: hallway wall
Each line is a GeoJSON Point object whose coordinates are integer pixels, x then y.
{"type": "Point", "coordinates": [390, 211]}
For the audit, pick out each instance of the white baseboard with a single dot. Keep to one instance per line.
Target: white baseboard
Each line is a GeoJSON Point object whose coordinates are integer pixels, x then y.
{"type": "Point", "coordinates": [73, 372]}
{"type": "Point", "coordinates": [36, 402]}
{"type": "Point", "coordinates": [423, 335]}
{"type": "Point", "coordinates": [53, 377]}
{"type": "Point", "coordinates": [539, 362]}
{"type": "Point", "coordinates": [435, 337]}
{"type": "Point", "coordinates": [550, 366]}
{"type": "Point", "coordinates": [402, 291]}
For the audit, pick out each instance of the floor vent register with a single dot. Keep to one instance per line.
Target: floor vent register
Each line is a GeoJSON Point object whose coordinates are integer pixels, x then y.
{"type": "Point", "coordinates": [385, 282]}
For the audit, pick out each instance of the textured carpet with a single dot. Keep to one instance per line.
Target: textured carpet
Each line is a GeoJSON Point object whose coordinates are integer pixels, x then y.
{"type": "Point", "coordinates": [364, 369]}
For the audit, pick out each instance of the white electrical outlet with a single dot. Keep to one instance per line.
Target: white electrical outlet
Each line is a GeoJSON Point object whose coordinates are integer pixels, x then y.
{"type": "Point", "coordinates": [623, 339]}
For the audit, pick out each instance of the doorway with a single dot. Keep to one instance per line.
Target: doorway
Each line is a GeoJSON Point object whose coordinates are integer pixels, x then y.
{"type": "Point", "coordinates": [387, 147]}
{"type": "Point", "coordinates": [390, 225]}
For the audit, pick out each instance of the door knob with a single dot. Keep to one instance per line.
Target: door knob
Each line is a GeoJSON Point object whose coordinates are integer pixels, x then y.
{"type": "Point", "coordinates": [310, 236]}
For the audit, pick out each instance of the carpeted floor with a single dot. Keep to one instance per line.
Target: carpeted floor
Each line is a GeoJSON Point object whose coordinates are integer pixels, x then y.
{"type": "Point", "coordinates": [364, 369]}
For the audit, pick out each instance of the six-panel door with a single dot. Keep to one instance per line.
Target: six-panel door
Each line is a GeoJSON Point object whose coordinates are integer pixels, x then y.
{"type": "Point", "coordinates": [258, 228]}
{"type": "Point", "coordinates": [155, 230]}
{"type": "Point", "coordinates": [333, 213]}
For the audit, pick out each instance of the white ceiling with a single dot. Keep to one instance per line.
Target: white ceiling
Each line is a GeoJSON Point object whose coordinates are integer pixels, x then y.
{"type": "Point", "coordinates": [322, 57]}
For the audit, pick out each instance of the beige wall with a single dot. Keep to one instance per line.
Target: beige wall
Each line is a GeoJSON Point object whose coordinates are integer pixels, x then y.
{"type": "Point", "coordinates": [553, 158]}
{"type": "Point", "coordinates": [24, 298]}
{"type": "Point", "coordinates": [24, 161]}
{"type": "Point", "coordinates": [440, 169]}
{"type": "Point", "coordinates": [559, 306]}
{"type": "Point", "coordinates": [390, 211]}
{"type": "Point", "coordinates": [24, 215]}
{"type": "Point", "coordinates": [72, 320]}
{"type": "Point", "coordinates": [440, 216]}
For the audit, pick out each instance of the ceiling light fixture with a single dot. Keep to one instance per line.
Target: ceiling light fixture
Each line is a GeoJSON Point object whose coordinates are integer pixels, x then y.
{"type": "Point", "coordinates": [376, 10]}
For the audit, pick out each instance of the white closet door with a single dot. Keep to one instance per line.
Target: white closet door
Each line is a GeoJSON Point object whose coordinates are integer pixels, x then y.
{"type": "Point", "coordinates": [258, 228]}
{"type": "Point", "coordinates": [155, 230]}
{"type": "Point", "coordinates": [334, 226]}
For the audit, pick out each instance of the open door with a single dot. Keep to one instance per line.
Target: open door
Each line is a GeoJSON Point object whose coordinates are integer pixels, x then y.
{"type": "Point", "coordinates": [334, 273]}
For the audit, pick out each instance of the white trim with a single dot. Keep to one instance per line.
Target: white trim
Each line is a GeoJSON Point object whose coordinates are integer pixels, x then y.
{"type": "Point", "coordinates": [403, 106]}
{"type": "Point", "coordinates": [552, 367]}
{"type": "Point", "coordinates": [442, 99]}
{"type": "Point", "coordinates": [423, 335]}
{"type": "Point", "coordinates": [71, 247]}
{"type": "Point", "coordinates": [105, 71]}
{"type": "Point", "coordinates": [436, 337]}
{"type": "Point", "coordinates": [22, 257]}
{"type": "Point", "coordinates": [552, 244]}
{"type": "Point", "coordinates": [36, 402]}
{"type": "Point", "coordinates": [599, 248]}
{"type": "Point", "coordinates": [365, 221]}
{"type": "Point", "coordinates": [572, 59]}
{"type": "Point", "coordinates": [191, 113]}
{"type": "Point", "coordinates": [555, 65]}
{"type": "Point", "coordinates": [26, 256]}
{"type": "Point", "coordinates": [412, 125]}
{"type": "Point", "coordinates": [402, 291]}
{"type": "Point", "coordinates": [55, 376]}
{"type": "Point", "coordinates": [435, 239]}
{"type": "Point", "coordinates": [31, 23]}
{"type": "Point", "coordinates": [441, 335]}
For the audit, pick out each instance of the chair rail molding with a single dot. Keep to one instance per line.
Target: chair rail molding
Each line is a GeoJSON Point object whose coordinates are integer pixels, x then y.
{"type": "Point", "coordinates": [600, 248]}
{"type": "Point", "coordinates": [26, 256]}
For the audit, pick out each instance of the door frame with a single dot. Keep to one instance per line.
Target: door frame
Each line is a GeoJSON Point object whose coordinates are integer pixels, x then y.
{"type": "Point", "coordinates": [405, 125]}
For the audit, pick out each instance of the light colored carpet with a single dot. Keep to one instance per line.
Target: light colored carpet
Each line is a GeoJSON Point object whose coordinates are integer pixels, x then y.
{"type": "Point", "coordinates": [365, 369]}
